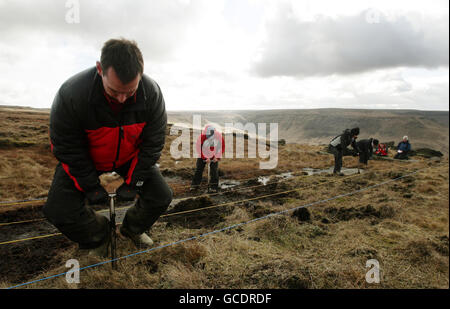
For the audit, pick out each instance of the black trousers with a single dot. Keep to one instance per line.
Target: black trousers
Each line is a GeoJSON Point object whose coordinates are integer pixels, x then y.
{"type": "Point", "coordinates": [338, 154]}
{"type": "Point", "coordinates": [401, 156]}
{"type": "Point", "coordinates": [67, 211]}
{"type": "Point", "coordinates": [214, 170]}
{"type": "Point", "coordinates": [364, 157]}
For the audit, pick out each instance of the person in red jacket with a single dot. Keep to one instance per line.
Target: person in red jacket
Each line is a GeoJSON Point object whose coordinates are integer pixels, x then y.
{"type": "Point", "coordinates": [110, 117]}
{"type": "Point", "coordinates": [211, 146]}
{"type": "Point", "coordinates": [382, 150]}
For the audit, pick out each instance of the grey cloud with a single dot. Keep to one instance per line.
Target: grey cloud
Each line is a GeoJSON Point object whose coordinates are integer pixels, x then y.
{"type": "Point", "coordinates": [404, 87]}
{"type": "Point", "coordinates": [158, 26]}
{"type": "Point", "coordinates": [348, 45]}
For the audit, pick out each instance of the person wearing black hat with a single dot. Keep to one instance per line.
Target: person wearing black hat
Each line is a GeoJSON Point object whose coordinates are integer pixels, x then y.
{"type": "Point", "coordinates": [339, 144]}
{"type": "Point", "coordinates": [365, 149]}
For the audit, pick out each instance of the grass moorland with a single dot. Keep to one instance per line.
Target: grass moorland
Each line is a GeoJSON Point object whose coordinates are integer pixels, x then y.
{"type": "Point", "coordinates": [403, 224]}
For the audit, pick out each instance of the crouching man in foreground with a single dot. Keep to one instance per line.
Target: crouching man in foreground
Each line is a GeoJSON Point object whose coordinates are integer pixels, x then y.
{"type": "Point", "coordinates": [110, 117]}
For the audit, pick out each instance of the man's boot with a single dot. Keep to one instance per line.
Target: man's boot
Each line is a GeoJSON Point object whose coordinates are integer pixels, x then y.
{"type": "Point", "coordinates": [103, 249]}
{"type": "Point", "coordinates": [194, 188]}
{"type": "Point", "coordinates": [139, 240]}
{"type": "Point", "coordinates": [214, 188]}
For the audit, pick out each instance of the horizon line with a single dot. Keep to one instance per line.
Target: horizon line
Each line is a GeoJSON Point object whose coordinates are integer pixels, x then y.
{"type": "Point", "coordinates": [263, 109]}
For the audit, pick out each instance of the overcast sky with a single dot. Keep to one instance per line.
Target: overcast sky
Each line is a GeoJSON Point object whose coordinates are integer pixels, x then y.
{"type": "Point", "coordinates": [238, 54]}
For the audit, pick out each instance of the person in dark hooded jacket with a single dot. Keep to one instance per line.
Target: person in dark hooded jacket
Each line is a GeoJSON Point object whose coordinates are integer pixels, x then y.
{"type": "Point", "coordinates": [340, 143]}
{"type": "Point", "coordinates": [365, 149]}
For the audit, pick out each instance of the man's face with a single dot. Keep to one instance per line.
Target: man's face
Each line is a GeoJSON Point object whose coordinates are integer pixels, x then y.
{"type": "Point", "coordinates": [114, 87]}
{"type": "Point", "coordinates": [405, 140]}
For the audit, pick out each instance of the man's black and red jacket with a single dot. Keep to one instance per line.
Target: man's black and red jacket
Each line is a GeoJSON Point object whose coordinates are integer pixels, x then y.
{"type": "Point", "coordinates": [88, 137]}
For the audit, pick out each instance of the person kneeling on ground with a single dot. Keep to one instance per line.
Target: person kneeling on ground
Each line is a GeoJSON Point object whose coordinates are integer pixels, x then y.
{"type": "Point", "coordinates": [339, 144]}
{"type": "Point", "coordinates": [211, 146]}
{"type": "Point", "coordinates": [403, 148]}
{"type": "Point", "coordinates": [110, 117]}
{"type": "Point", "coordinates": [365, 149]}
{"type": "Point", "coordinates": [382, 150]}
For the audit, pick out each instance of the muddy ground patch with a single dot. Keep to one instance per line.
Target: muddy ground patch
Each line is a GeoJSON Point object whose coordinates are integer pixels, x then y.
{"type": "Point", "coordinates": [198, 219]}
{"type": "Point", "coordinates": [336, 214]}
{"type": "Point", "coordinates": [24, 261]}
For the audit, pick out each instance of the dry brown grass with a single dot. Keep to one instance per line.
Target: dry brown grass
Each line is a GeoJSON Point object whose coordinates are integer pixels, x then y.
{"type": "Point", "coordinates": [403, 224]}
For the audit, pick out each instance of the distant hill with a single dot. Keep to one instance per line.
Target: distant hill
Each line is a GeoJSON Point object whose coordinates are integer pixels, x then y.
{"type": "Point", "coordinates": [317, 126]}
{"type": "Point", "coordinates": [428, 129]}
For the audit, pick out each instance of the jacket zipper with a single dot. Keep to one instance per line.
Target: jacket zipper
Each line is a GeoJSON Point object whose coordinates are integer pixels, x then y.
{"type": "Point", "coordinates": [118, 146]}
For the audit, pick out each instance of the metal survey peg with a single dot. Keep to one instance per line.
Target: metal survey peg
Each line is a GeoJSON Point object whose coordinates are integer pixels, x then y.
{"type": "Point", "coordinates": [112, 220]}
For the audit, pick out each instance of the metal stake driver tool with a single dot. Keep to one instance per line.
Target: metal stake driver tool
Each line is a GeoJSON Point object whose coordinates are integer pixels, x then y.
{"type": "Point", "coordinates": [112, 219]}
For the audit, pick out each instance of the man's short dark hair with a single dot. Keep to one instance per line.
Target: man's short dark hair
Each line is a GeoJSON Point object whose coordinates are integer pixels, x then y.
{"type": "Point", "coordinates": [124, 56]}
